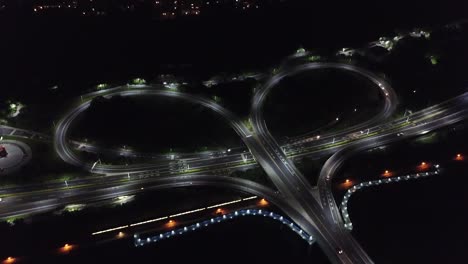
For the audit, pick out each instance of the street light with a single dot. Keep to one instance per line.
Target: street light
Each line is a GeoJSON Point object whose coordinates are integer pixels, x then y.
{"type": "Point", "coordinates": [171, 223]}
{"type": "Point", "coordinates": [423, 165]}
{"type": "Point", "coordinates": [66, 248]}
{"type": "Point", "coordinates": [263, 202]}
{"type": "Point", "coordinates": [9, 260]}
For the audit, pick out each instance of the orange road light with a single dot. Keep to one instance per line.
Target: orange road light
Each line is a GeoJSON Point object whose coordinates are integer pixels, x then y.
{"type": "Point", "coordinates": [66, 248]}
{"type": "Point", "coordinates": [346, 184]}
{"type": "Point", "coordinates": [263, 202]}
{"type": "Point", "coordinates": [9, 260]}
{"type": "Point", "coordinates": [171, 223]}
{"type": "Point", "coordinates": [459, 157]}
{"type": "Point", "coordinates": [120, 234]}
{"type": "Point", "coordinates": [423, 165]}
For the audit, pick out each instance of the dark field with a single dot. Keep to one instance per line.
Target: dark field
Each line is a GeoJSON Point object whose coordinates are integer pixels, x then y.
{"type": "Point", "coordinates": [416, 221]}
{"type": "Point", "coordinates": [155, 125]}
{"type": "Point", "coordinates": [245, 240]}
{"type": "Point", "coordinates": [253, 238]}
{"type": "Point", "coordinates": [312, 100]}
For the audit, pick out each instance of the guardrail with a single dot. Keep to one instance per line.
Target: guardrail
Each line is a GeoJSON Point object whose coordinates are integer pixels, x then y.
{"type": "Point", "coordinates": [139, 241]}
{"type": "Point", "coordinates": [344, 204]}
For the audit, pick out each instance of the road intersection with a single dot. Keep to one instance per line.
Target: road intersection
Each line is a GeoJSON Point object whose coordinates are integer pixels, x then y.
{"type": "Point", "coordinates": [319, 217]}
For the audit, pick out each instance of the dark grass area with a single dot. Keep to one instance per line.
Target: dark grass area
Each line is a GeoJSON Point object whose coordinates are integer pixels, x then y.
{"type": "Point", "coordinates": [250, 238]}
{"type": "Point", "coordinates": [256, 174]}
{"type": "Point", "coordinates": [312, 100]}
{"type": "Point", "coordinates": [416, 221]}
{"type": "Point", "coordinates": [310, 167]}
{"type": "Point", "coordinates": [417, 81]}
{"type": "Point", "coordinates": [42, 233]}
{"type": "Point", "coordinates": [406, 156]}
{"type": "Point", "coordinates": [420, 221]}
{"type": "Point", "coordinates": [235, 95]}
{"type": "Point", "coordinates": [43, 108]}
{"type": "Point", "coordinates": [45, 165]}
{"type": "Point", "coordinates": [244, 240]}
{"type": "Point", "coordinates": [154, 124]}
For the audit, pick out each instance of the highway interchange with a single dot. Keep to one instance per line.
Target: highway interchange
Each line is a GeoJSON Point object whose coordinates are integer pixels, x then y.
{"type": "Point", "coordinates": [313, 210]}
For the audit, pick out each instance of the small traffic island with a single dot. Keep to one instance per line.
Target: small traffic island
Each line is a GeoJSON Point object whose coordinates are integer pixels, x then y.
{"type": "Point", "coordinates": [13, 155]}
{"type": "Point", "coordinates": [3, 152]}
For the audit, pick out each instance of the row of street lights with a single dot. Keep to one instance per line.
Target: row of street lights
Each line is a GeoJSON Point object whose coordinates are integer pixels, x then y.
{"type": "Point", "coordinates": [422, 166]}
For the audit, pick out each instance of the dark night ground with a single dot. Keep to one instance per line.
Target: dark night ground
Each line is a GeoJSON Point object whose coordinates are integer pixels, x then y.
{"type": "Point", "coordinates": [419, 221]}
{"type": "Point", "coordinates": [155, 125]}
{"type": "Point", "coordinates": [312, 100]}
{"type": "Point", "coordinates": [77, 53]}
{"type": "Point", "coordinates": [246, 238]}
{"type": "Point", "coordinates": [41, 54]}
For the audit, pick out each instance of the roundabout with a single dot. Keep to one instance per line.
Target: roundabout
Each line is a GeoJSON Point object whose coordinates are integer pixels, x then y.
{"type": "Point", "coordinates": [13, 155]}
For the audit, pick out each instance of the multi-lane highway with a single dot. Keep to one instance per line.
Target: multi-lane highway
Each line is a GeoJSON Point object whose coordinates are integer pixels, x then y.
{"type": "Point", "coordinates": [318, 217]}
{"type": "Point", "coordinates": [290, 180]}
{"type": "Point", "coordinates": [444, 114]}
{"type": "Point", "coordinates": [67, 154]}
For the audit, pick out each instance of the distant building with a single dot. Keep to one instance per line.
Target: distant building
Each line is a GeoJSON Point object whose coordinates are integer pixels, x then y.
{"type": "Point", "coordinates": [162, 9]}
{"type": "Point", "coordinates": [3, 152]}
